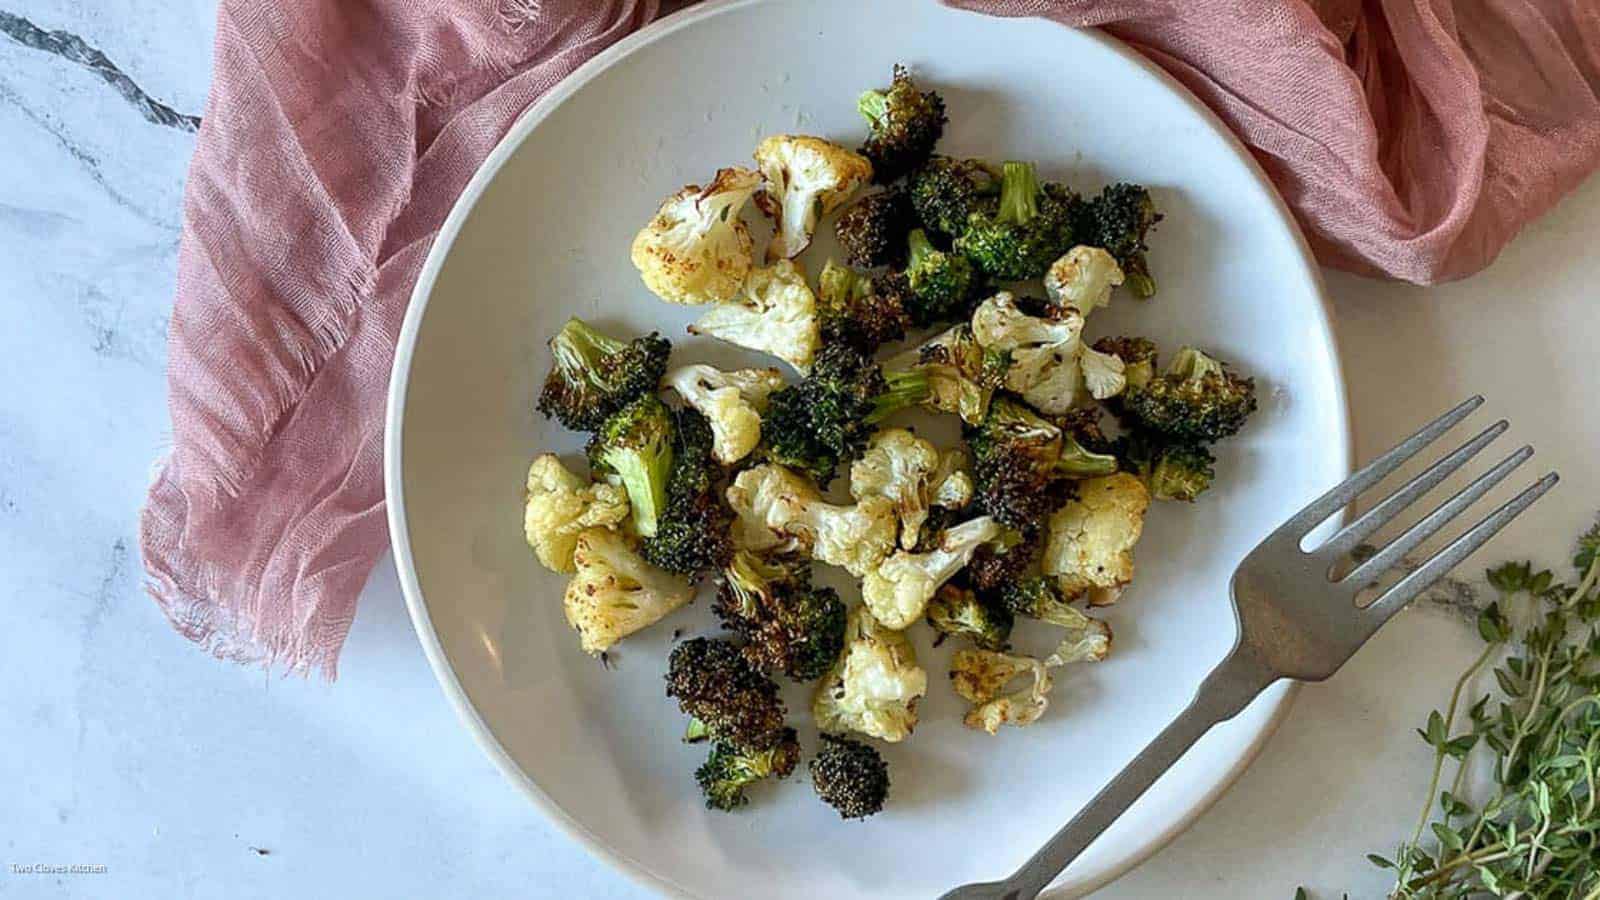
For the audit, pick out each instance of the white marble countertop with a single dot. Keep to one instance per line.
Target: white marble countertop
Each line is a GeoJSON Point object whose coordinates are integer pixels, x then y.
{"type": "Point", "coordinates": [181, 776]}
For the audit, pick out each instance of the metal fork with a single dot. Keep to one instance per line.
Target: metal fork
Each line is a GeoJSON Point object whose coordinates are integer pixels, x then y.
{"type": "Point", "coordinates": [1296, 620]}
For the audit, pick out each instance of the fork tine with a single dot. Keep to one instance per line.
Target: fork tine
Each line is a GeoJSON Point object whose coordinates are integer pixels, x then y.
{"type": "Point", "coordinates": [1407, 588]}
{"type": "Point", "coordinates": [1376, 517]}
{"type": "Point", "coordinates": [1412, 537]}
{"type": "Point", "coordinates": [1374, 472]}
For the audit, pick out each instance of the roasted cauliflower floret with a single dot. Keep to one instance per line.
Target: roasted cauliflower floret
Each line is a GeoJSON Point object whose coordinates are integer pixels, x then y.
{"type": "Point", "coordinates": [981, 677]}
{"type": "Point", "coordinates": [779, 510]}
{"type": "Point", "coordinates": [875, 685]}
{"type": "Point", "coordinates": [1092, 536]}
{"type": "Point", "coordinates": [1043, 351]}
{"type": "Point", "coordinates": [905, 469]}
{"type": "Point", "coordinates": [899, 589]}
{"type": "Point", "coordinates": [805, 179]}
{"type": "Point", "coordinates": [731, 401]}
{"type": "Point", "coordinates": [615, 592]}
{"type": "Point", "coordinates": [952, 480]}
{"type": "Point", "coordinates": [1083, 278]}
{"type": "Point", "coordinates": [776, 314]}
{"type": "Point", "coordinates": [560, 505]}
{"type": "Point", "coordinates": [696, 249]}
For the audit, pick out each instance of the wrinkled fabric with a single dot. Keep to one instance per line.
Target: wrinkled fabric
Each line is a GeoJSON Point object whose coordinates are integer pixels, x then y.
{"type": "Point", "coordinates": [337, 135]}
{"type": "Point", "coordinates": [1412, 138]}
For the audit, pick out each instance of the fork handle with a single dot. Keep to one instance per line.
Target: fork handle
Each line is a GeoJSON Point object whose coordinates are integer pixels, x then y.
{"type": "Point", "coordinates": [1229, 688]}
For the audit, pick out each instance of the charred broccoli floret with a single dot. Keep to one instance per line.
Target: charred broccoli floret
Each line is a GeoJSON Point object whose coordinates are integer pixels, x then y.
{"type": "Point", "coordinates": [905, 124]}
{"type": "Point", "coordinates": [693, 533]}
{"type": "Point", "coordinates": [1138, 357]}
{"type": "Point", "coordinates": [729, 770]}
{"type": "Point", "coordinates": [634, 447]}
{"type": "Point", "coordinates": [961, 612]}
{"type": "Point", "coordinates": [1018, 457]}
{"type": "Point", "coordinates": [1173, 469]}
{"type": "Point", "coordinates": [942, 284]}
{"type": "Point", "coordinates": [828, 417]}
{"type": "Point", "coordinates": [1004, 561]}
{"type": "Point", "coordinates": [727, 697]}
{"type": "Point", "coordinates": [850, 776]}
{"type": "Point", "coordinates": [946, 192]}
{"type": "Point", "coordinates": [873, 230]}
{"type": "Point", "coordinates": [1029, 230]}
{"type": "Point", "coordinates": [854, 310]}
{"type": "Point", "coordinates": [1082, 423]}
{"type": "Point", "coordinates": [1118, 220]}
{"type": "Point", "coordinates": [1197, 399]}
{"type": "Point", "coordinates": [790, 625]}
{"type": "Point", "coordinates": [788, 439]}
{"type": "Point", "coordinates": [594, 375]}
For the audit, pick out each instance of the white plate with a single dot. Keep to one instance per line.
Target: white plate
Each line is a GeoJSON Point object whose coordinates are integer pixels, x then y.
{"type": "Point", "coordinates": [542, 232]}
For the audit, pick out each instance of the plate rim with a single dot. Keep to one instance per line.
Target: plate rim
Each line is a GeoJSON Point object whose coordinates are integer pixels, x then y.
{"type": "Point", "coordinates": [399, 382]}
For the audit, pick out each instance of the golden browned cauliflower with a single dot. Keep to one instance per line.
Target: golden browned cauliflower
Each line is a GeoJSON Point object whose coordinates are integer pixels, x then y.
{"type": "Point", "coordinates": [875, 685]}
{"type": "Point", "coordinates": [806, 178]}
{"type": "Point", "coordinates": [616, 592]}
{"type": "Point", "coordinates": [1092, 536]}
{"type": "Point", "coordinates": [696, 249]}
{"type": "Point", "coordinates": [980, 678]}
{"type": "Point", "coordinates": [560, 505]}
{"type": "Point", "coordinates": [775, 313]}
{"type": "Point", "coordinates": [779, 510]}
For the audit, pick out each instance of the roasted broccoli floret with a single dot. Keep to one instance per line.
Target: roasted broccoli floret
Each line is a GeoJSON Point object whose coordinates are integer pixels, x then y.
{"type": "Point", "coordinates": [905, 124]}
{"type": "Point", "coordinates": [960, 612]}
{"type": "Point", "coordinates": [1172, 469]}
{"type": "Point", "coordinates": [729, 770]}
{"type": "Point", "coordinates": [729, 699]}
{"type": "Point", "coordinates": [1032, 227]}
{"type": "Point", "coordinates": [1118, 220]}
{"type": "Point", "coordinates": [1004, 561]}
{"type": "Point", "coordinates": [946, 192]}
{"type": "Point", "coordinates": [828, 417]}
{"type": "Point", "coordinates": [634, 448]}
{"type": "Point", "coordinates": [1197, 398]}
{"type": "Point", "coordinates": [790, 626]}
{"type": "Point", "coordinates": [942, 284]}
{"type": "Point", "coordinates": [1083, 424]}
{"type": "Point", "coordinates": [850, 776]}
{"type": "Point", "coordinates": [594, 375]}
{"type": "Point", "coordinates": [854, 310]}
{"type": "Point", "coordinates": [1138, 357]}
{"type": "Point", "coordinates": [693, 533]}
{"type": "Point", "coordinates": [1017, 459]}
{"type": "Point", "coordinates": [872, 232]}
{"type": "Point", "coordinates": [615, 592]}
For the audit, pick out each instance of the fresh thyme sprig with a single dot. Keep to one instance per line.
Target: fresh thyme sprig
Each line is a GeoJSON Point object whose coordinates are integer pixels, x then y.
{"type": "Point", "coordinates": [1536, 833]}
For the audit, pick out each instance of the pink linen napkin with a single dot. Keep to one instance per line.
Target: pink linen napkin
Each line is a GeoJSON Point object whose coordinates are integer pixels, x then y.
{"type": "Point", "coordinates": [1411, 137]}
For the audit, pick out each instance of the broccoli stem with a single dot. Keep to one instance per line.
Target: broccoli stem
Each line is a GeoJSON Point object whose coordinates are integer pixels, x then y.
{"type": "Point", "coordinates": [1138, 278]}
{"type": "Point", "coordinates": [907, 388]}
{"type": "Point", "coordinates": [644, 476]}
{"type": "Point", "coordinates": [873, 106]}
{"type": "Point", "coordinates": [577, 347]}
{"type": "Point", "coordinates": [920, 247]}
{"type": "Point", "coordinates": [696, 732]}
{"type": "Point", "coordinates": [1019, 193]}
{"type": "Point", "coordinates": [1077, 462]}
{"type": "Point", "coordinates": [1192, 365]}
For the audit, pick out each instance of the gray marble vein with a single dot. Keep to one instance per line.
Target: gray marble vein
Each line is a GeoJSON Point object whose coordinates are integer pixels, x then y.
{"type": "Point", "coordinates": [75, 49]}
